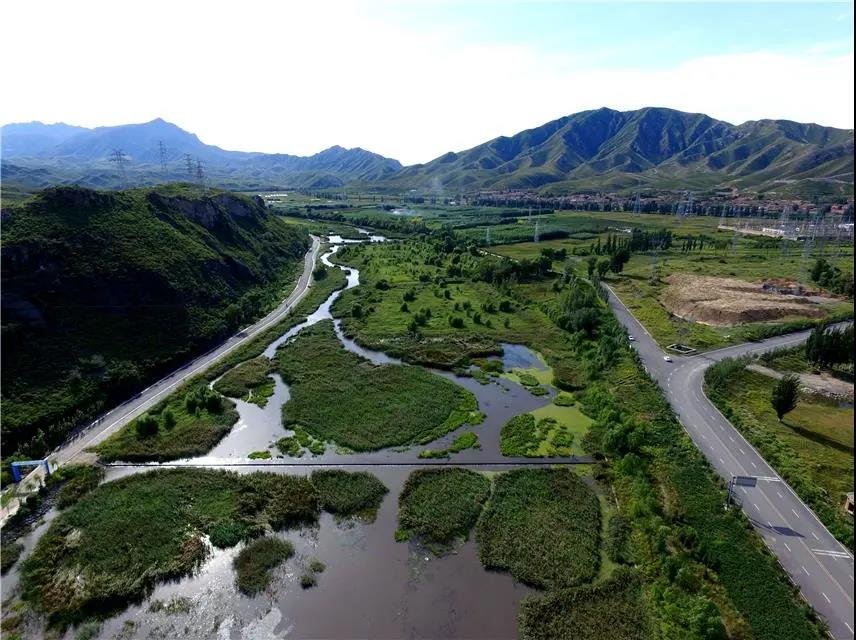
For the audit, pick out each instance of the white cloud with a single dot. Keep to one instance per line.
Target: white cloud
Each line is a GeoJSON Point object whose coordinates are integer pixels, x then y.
{"type": "Point", "coordinates": [298, 77]}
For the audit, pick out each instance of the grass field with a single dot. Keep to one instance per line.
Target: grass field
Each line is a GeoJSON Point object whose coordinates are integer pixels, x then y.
{"type": "Point", "coordinates": [248, 381]}
{"type": "Point", "coordinates": [340, 397]}
{"type": "Point", "coordinates": [613, 609]}
{"type": "Point", "coordinates": [812, 448]}
{"type": "Point", "coordinates": [192, 430]}
{"type": "Point", "coordinates": [751, 259]}
{"type": "Point", "coordinates": [543, 526]}
{"type": "Point", "coordinates": [441, 505]}
{"type": "Point", "coordinates": [551, 430]}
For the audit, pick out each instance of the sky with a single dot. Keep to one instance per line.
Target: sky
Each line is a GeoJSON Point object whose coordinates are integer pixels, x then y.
{"type": "Point", "coordinates": [413, 80]}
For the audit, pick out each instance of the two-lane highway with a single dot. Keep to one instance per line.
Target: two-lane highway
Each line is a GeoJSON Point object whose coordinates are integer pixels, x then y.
{"type": "Point", "coordinates": [816, 562]}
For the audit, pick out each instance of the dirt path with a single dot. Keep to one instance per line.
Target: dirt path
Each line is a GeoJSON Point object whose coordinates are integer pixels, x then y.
{"type": "Point", "coordinates": [824, 383]}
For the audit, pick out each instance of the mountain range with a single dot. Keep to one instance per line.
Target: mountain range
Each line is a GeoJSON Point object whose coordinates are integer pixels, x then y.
{"type": "Point", "coordinates": [598, 150]}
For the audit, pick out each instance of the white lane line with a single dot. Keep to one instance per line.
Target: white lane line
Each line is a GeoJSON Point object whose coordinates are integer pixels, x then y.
{"type": "Point", "coordinates": [806, 570]}
{"type": "Point", "coordinates": [795, 513]}
{"type": "Point", "coordinates": [722, 461]}
{"type": "Point", "coordinates": [849, 628]}
{"type": "Point", "coordinates": [826, 596]}
{"type": "Point", "coordinates": [816, 537]}
{"type": "Point", "coordinates": [780, 495]}
{"type": "Point", "coordinates": [757, 508]}
{"type": "Point", "coordinates": [831, 553]}
{"type": "Point", "coordinates": [752, 462]}
{"type": "Point", "coordinates": [732, 438]}
{"type": "Point", "coordinates": [741, 450]}
{"type": "Point", "coordinates": [788, 548]}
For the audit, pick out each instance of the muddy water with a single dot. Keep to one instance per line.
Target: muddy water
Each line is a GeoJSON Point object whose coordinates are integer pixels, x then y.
{"type": "Point", "coordinates": [373, 587]}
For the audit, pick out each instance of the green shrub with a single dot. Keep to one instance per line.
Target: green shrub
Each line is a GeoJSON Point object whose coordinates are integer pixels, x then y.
{"type": "Point", "coordinates": [348, 494]}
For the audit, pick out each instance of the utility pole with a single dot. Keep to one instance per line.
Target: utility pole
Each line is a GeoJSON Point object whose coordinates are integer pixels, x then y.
{"type": "Point", "coordinates": [118, 156]}
{"type": "Point", "coordinates": [162, 155]}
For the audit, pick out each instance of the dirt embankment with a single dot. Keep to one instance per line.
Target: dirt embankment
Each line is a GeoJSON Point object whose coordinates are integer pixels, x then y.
{"type": "Point", "coordinates": [727, 302]}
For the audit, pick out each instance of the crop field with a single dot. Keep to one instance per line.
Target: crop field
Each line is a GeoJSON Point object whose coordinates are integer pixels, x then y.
{"type": "Point", "coordinates": [387, 405]}
{"type": "Point", "coordinates": [441, 505]}
{"type": "Point", "coordinates": [812, 448]}
{"type": "Point", "coordinates": [543, 526]}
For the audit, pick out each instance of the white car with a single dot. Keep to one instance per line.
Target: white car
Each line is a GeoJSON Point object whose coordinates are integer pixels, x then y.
{"type": "Point", "coordinates": [667, 358]}
{"type": "Point", "coordinates": [631, 338]}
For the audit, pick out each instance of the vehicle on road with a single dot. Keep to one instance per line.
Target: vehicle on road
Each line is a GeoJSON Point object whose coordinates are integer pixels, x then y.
{"type": "Point", "coordinates": [667, 358]}
{"type": "Point", "coordinates": [631, 338]}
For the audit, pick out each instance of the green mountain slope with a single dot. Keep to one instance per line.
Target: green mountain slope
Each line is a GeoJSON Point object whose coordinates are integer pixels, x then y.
{"type": "Point", "coordinates": [103, 292]}
{"type": "Point", "coordinates": [652, 148]}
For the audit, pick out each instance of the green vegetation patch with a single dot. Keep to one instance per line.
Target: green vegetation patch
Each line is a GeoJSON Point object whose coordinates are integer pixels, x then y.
{"type": "Point", "coordinates": [337, 395]}
{"type": "Point", "coordinates": [77, 480]}
{"type": "Point", "coordinates": [119, 540]}
{"type": "Point", "coordinates": [189, 424]}
{"type": "Point", "coordinates": [542, 525]}
{"type": "Point", "coordinates": [467, 440]}
{"type": "Point", "coordinates": [613, 609]}
{"type": "Point", "coordinates": [9, 554]}
{"type": "Point", "coordinates": [253, 565]}
{"type": "Point", "coordinates": [552, 430]}
{"type": "Point", "coordinates": [440, 505]}
{"type": "Point", "coordinates": [248, 381]}
{"type": "Point", "coordinates": [812, 447]}
{"type": "Point", "coordinates": [348, 494]}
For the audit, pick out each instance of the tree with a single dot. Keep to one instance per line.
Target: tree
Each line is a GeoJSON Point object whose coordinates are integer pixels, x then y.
{"type": "Point", "coordinates": [168, 419]}
{"type": "Point", "coordinates": [602, 266]}
{"type": "Point", "coordinates": [618, 260]}
{"type": "Point", "coordinates": [147, 426]}
{"type": "Point", "coordinates": [785, 395]}
{"type": "Point", "coordinates": [591, 264]}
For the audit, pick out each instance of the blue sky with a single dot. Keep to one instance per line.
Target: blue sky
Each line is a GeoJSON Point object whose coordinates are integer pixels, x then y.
{"type": "Point", "coordinates": [412, 80]}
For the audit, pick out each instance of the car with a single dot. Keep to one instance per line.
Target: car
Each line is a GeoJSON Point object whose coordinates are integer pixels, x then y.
{"type": "Point", "coordinates": [631, 338]}
{"type": "Point", "coordinates": [667, 358]}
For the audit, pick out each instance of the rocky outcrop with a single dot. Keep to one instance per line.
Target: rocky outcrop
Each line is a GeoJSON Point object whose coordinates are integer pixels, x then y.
{"type": "Point", "coordinates": [207, 211]}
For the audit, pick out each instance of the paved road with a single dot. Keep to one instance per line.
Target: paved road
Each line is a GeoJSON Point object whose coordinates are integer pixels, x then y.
{"type": "Point", "coordinates": [127, 411]}
{"type": "Point", "coordinates": [820, 565]}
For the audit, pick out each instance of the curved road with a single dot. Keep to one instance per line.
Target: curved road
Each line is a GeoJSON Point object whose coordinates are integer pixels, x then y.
{"type": "Point", "coordinates": [815, 561]}
{"type": "Point", "coordinates": [127, 411]}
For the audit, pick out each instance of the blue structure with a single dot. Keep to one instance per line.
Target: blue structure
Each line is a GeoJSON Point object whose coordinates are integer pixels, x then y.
{"type": "Point", "coordinates": [16, 467]}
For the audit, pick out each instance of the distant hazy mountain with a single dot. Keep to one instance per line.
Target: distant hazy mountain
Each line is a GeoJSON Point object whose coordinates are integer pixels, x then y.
{"type": "Point", "coordinates": [602, 150]}
{"type": "Point", "coordinates": [36, 154]}
{"type": "Point", "coordinates": [653, 148]}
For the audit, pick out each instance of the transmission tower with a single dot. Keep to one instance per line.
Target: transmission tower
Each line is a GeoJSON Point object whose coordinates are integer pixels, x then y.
{"type": "Point", "coordinates": [487, 236]}
{"type": "Point", "coordinates": [537, 223]}
{"type": "Point", "coordinates": [637, 203]}
{"type": "Point", "coordinates": [783, 227]}
{"type": "Point", "coordinates": [118, 156]}
{"type": "Point", "coordinates": [162, 155]}
{"type": "Point", "coordinates": [200, 171]}
{"type": "Point", "coordinates": [736, 235]}
{"type": "Point", "coordinates": [530, 214]}
{"type": "Point", "coordinates": [189, 166]}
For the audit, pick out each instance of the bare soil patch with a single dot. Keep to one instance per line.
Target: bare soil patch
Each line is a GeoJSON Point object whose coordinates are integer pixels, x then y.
{"type": "Point", "coordinates": [727, 301]}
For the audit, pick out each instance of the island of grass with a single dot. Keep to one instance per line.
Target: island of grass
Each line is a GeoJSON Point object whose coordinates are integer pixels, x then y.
{"type": "Point", "coordinates": [119, 540]}
{"type": "Point", "coordinates": [467, 440]}
{"type": "Point", "coordinates": [349, 494]}
{"type": "Point", "coordinates": [543, 526]}
{"type": "Point", "coordinates": [613, 609]}
{"type": "Point", "coordinates": [187, 424]}
{"type": "Point", "coordinates": [555, 429]}
{"type": "Point", "coordinates": [248, 381]}
{"type": "Point", "coordinates": [253, 565]}
{"type": "Point", "coordinates": [341, 397]}
{"type": "Point", "coordinates": [441, 505]}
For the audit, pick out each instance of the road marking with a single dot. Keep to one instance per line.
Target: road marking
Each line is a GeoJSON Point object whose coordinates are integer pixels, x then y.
{"type": "Point", "coordinates": [732, 438]}
{"type": "Point", "coordinates": [788, 548]}
{"type": "Point", "coordinates": [742, 451]}
{"type": "Point", "coordinates": [806, 570]}
{"type": "Point", "coordinates": [757, 508]}
{"type": "Point", "coordinates": [752, 462]}
{"type": "Point", "coordinates": [849, 628]}
{"type": "Point", "coordinates": [815, 535]}
{"type": "Point", "coordinates": [780, 495]}
{"type": "Point", "coordinates": [795, 513]}
{"type": "Point", "coordinates": [831, 553]}
{"type": "Point", "coordinates": [703, 437]}
{"type": "Point", "coordinates": [826, 596]}
{"type": "Point", "coordinates": [722, 461]}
